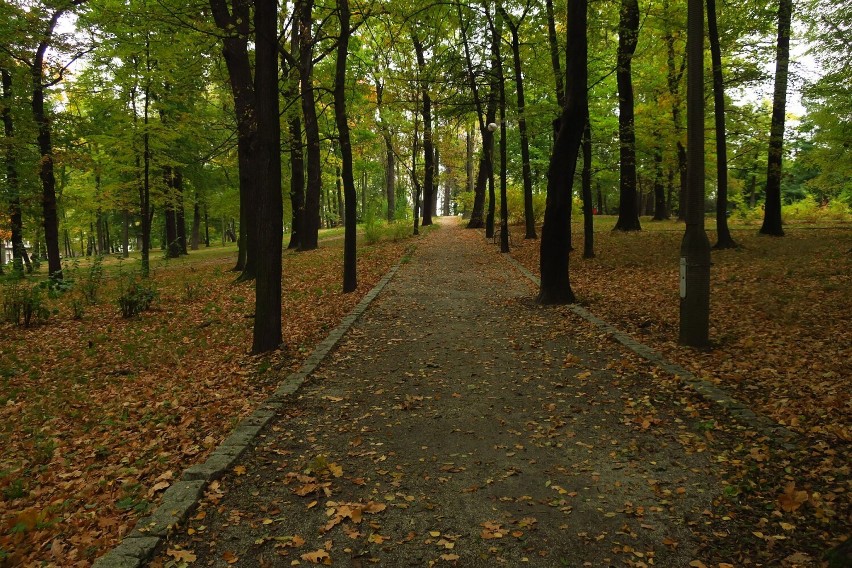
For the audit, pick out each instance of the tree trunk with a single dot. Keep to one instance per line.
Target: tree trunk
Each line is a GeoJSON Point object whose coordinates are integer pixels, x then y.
{"type": "Point", "coordinates": [504, 206]}
{"type": "Point", "coordinates": [588, 217]}
{"type": "Point", "coordinates": [180, 215]}
{"type": "Point", "coordinates": [236, 25]}
{"type": "Point", "coordinates": [628, 35]}
{"type": "Point", "coordinates": [724, 239]}
{"type": "Point", "coordinates": [350, 281]}
{"type": "Point", "coordinates": [270, 210]}
{"type": "Point", "coordinates": [172, 238]}
{"type": "Point", "coordinates": [297, 157]}
{"type": "Point", "coordinates": [125, 236]}
{"type": "Point", "coordinates": [660, 211]}
{"type": "Point", "coordinates": [529, 215]}
{"type": "Point", "coordinates": [673, 78]}
{"type": "Point", "coordinates": [555, 243]}
{"type": "Point", "coordinates": [19, 252]}
{"type": "Point", "coordinates": [695, 247]}
{"type": "Point", "coordinates": [436, 185]}
{"type": "Point", "coordinates": [772, 205]}
{"type": "Point", "coordinates": [554, 54]}
{"type": "Point", "coordinates": [428, 147]}
{"type": "Point", "coordinates": [196, 223]}
{"type": "Point", "coordinates": [45, 146]}
{"type": "Point", "coordinates": [145, 212]}
{"type": "Point", "coordinates": [390, 158]}
{"type": "Point", "coordinates": [311, 218]}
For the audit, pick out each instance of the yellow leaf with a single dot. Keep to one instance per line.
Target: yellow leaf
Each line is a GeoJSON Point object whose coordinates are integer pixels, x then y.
{"type": "Point", "coordinates": [182, 555]}
{"type": "Point", "coordinates": [449, 557]}
{"type": "Point", "coordinates": [317, 557]}
{"type": "Point", "coordinates": [229, 557]}
{"type": "Point", "coordinates": [697, 564]}
{"type": "Point", "coordinates": [240, 470]}
{"type": "Point", "coordinates": [376, 538]}
{"type": "Point", "coordinates": [335, 469]}
{"type": "Point", "coordinates": [790, 500]}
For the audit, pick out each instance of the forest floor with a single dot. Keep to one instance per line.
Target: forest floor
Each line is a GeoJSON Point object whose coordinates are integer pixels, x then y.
{"type": "Point", "coordinates": [99, 413]}
{"type": "Point", "coordinates": [459, 423]}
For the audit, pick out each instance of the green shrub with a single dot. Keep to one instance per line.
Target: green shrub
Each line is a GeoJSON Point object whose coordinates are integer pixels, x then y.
{"type": "Point", "coordinates": [24, 305]}
{"type": "Point", "coordinates": [135, 297]}
{"type": "Point", "coordinates": [399, 230]}
{"type": "Point", "coordinates": [372, 228]}
{"type": "Point", "coordinates": [91, 283]}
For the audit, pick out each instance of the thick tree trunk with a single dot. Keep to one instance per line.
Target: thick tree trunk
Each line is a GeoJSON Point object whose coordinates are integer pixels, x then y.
{"type": "Point", "coordinates": [270, 210]}
{"type": "Point", "coordinates": [236, 24]}
{"type": "Point", "coordinates": [724, 239]}
{"type": "Point", "coordinates": [772, 205]}
{"type": "Point", "coordinates": [695, 247]}
{"type": "Point", "coordinates": [555, 243]}
{"type": "Point", "coordinates": [628, 35]}
{"type": "Point", "coordinates": [350, 281]}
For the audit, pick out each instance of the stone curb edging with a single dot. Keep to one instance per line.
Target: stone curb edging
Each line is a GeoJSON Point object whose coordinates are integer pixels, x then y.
{"type": "Point", "coordinates": [181, 497]}
{"type": "Point", "coordinates": [705, 389]}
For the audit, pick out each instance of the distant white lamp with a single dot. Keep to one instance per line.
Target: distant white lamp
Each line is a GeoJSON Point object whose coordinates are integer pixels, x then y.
{"type": "Point", "coordinates": [491, 127]}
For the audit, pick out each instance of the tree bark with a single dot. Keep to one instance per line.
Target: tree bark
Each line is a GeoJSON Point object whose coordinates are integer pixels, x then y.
{"type": "Point", "coordinates": [297, 157]}
{"type": "Point", "coordinates": [236, 25]}
{"type": "Point", "coordinates": [350, 281]}
{"type": "Point", "coordinates": [19, 252]}
{"type": "Point", "coordinates": [270, 210]}
{"type": "Point", "coordinates": [526, 173]}
{"type": "Point", "coordinates": [660, 211]}
{"type": "Point", "coordinates": [554, 54]}
{"type": "Point", "coordinates": [628, 35]}
{"type": "Point", "coordinates": [428, 147]}
{"type": "Point", "coordinates": [311, 217]}
{"type": "Point", "coordinates": [772, 205]}
{"type": "Point", "coordinates": [588, 217]}
{"type": "Point", "coordinates": [45, 146]}
{"type": "Point", "coordinates": [172, 239]}
{"type": "Point", "coordinates": [555, 244]}
{"type": "Point", "coordinates": [723, 239]}
{"type": "Point", "coordinates": [196, 223]}
{"type": "Point", "coordinates": [695, 247]}
{"type": "Point", "coordinates": [673, 78]}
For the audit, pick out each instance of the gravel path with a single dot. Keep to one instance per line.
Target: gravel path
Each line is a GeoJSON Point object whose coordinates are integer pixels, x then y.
{"type": "Point", "coordinates": [453, 426]}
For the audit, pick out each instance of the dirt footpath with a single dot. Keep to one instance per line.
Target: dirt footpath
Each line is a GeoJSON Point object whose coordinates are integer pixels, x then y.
{"type": "Point", "coordinates": [453, 426]}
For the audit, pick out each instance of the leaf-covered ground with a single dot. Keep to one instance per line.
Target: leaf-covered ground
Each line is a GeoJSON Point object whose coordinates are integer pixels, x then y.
{"type": "Point", "coordinates": [781, 327]}
{"type": "Point", "coordinates": [460, 424]}
{"type": "Point", "coordinates": [99, 414]}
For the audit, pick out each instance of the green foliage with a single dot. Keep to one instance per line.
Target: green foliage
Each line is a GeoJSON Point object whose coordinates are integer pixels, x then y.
{"type": "Point", "coordinates": [135, 296]}
{"type": "Point", "coordinates": [24, 305]}
{"type": "Point", "coordinates": [515, 200]}
{"type": "Point", "coordinates": [809, 210]}
{"type": "Point", "coordinates": [91, 283]}
{"type": "Point", "coordinates": [372, 227]}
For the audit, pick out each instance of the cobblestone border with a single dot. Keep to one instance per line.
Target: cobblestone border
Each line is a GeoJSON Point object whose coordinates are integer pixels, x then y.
{"type": "Point", "coordinates": [705, 389]}
{"type": "Point", "coordinates": [181, 498]}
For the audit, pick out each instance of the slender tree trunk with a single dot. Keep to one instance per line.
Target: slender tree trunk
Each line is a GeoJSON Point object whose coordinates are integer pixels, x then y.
{"type": "Point", "coordinates": [311, 218]}
{"type": "Point", "coordinates": [19, 252]}
{"type": "Point", "coordinates": [724, 239]}
{"type": "Point", "coordinates": [350, 281]}
{"type": "Point", "coordinates": [196, 223]}
{"type": "Point", "coordinates": [297, 157]}
{"type": "Point", "coordinates": [660, 211]}
{"type": "Point", "coordinates": [206, 227]}
{"type": "Point", "coordinates": [554, 54]}
{"type": "Point", "coordinates": [529, 215]}
{"type": "Point", "coordinates": [436, 185]}
{"type": "Point", "coordinates": [674, 76]}
{"type": "Point", "coordinates": [172, 238]}
{"type": "Point", "coordinates": [628, 35]}
{"type": "Point", "coordinates": [695, 247]}
{"type": "Point", "coordinates": [555, 243]}
{"type": "Point", "coordinates": [390, 158]}
{"type": "Point", "coordinates": [772, 205]}
{"type": "Point", "coordinates": [588, 217]}
{"type": "Point", "coordinates": [180, 215]}
{"type": "Point", "coordinates": [45, 146]}
{"type": "Point", "coordinates": [145, 212]}
{"type": "Point", "coordinates": [125, 236]}
{"type": "Point", "coordinates": [270, 210]}
{"type": "Point", "coordinates": [428, 146]}
{"type": "Point", "coordinates": [341, 216]}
